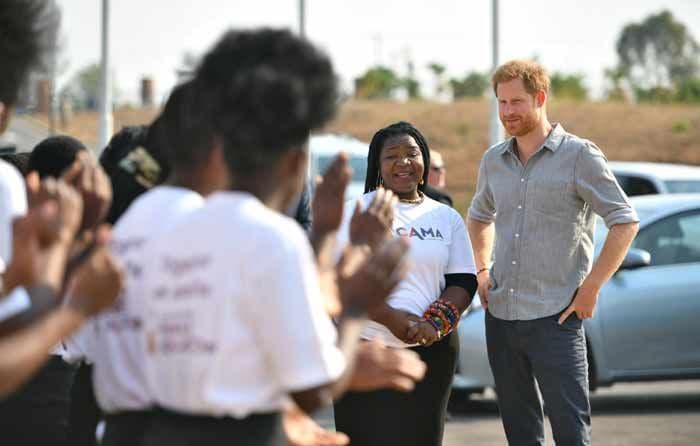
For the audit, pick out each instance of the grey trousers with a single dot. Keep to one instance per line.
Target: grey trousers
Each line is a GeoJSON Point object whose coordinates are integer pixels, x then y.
{"type": "Point", "coordinates": [525, 354]}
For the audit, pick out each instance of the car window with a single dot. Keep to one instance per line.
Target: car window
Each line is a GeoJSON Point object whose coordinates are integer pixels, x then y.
{"type": "Point", "coordinates": [634, 186]}
{"type": "Point", "coordinates": [672, 240]}
{"type": "Point", "coordinates": [358, 164]}
{"type": "Point", "coordinates": [601, 231]}
{"type": "Point", "coordinates": [682, 186]}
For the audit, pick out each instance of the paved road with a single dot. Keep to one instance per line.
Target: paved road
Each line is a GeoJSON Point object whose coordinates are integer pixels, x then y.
{"type": "Point", "coordinates": [643, 414]}
{"type": "Point", "coordinates": [25, 133]}
{"type": "Point", "coordinates": [640, 414]}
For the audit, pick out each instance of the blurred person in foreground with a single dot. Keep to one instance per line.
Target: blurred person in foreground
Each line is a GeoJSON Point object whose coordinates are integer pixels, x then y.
{"type": "Point", "coordinates": [268, 90]}
{"type": "Point", "coordinates": [533, 213]}
{"type": "Point", "coordinates": [34, 248]}
{"type": "Point", "coordinates": [181, 142]}
{"type": "Point", "coordinates": [46, 398]}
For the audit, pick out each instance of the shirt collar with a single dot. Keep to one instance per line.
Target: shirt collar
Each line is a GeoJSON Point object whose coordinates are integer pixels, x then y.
{"type": "Point", "coordinates": [553, 141]}
{"type": "Point", "coordinates": [555, 138]}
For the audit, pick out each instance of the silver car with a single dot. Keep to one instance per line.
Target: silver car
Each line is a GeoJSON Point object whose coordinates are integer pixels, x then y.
{"type": "Point", "coordinates": [647, 323]}
{"type": "Point", "coordinates": [642, 178]}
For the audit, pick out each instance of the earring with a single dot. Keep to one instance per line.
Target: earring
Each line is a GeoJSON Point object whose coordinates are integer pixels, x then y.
{"type": "Point", "coordinates": [380, 181]}
{"type": "Point", "coordinates": [421, 181]}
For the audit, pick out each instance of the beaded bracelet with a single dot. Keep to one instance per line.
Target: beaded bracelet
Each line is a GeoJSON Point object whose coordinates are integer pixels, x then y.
{"type": "Point", "coordinates": [437, 319]}
{"type": "Point", "coordinates": [432, 322]}
{"type": "Point", "coordinates": [440, 314]}
{"type": "Point", "coordinates": [452, 307]}
{"type": "Point", "coordinates": [443, 316]}
{"type": "Point", "coordinates": [450, 314]}
{"type": "Point", "coordinates": [443, 312]}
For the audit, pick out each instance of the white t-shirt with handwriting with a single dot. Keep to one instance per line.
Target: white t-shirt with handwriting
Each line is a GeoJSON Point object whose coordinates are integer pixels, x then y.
{"type": "Point", "coordinates": [113, 341]}
{"type": "Point", "coordinates": [235, 317]}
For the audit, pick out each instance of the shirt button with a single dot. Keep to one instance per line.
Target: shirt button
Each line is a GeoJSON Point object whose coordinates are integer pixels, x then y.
{"type": "Point", "coordinates": [514, 262]}
{"type": "Point", "coordinates": [520, 207]}
{"type": "Point", "coordinates": [511, 290]}
{"type": "Point", "coordinates": [517, 235]}
{"type": "Point", "coordinates": [522, 180]}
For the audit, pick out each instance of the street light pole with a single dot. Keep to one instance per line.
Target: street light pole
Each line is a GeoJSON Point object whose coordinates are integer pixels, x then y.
{"type": "Point", "coordinates": [106, 119]}
{"type": "Point", "coordinates": [496, 129]}
{"type": "Point", "coordinates": [302, 18]}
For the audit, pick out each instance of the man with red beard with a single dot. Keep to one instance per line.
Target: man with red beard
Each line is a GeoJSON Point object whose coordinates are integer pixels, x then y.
{"type": "Point", "coordinates": [534, 214]}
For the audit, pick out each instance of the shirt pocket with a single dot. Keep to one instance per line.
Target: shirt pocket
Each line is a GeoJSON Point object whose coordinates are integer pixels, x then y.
{"type": "Point", "coordinates": [554, 199]}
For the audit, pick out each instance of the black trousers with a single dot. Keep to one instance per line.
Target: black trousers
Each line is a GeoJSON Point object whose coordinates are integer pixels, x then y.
{"type": "Point", "coordinates": [127, 428]}
{"type": "Point", "coordinates": [174, 429]}
{"type": "Point", "coordinates": [392, 418]}
{"type": "Point", "coordinates": [85, 414]}
{"type": "Point", "coordinates": [37, 414]}
{"type": "Point", "coordinates": [525, 355]}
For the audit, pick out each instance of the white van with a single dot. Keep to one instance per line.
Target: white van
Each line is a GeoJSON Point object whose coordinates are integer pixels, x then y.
{"type": "Point", "coordinates": [324, 148]}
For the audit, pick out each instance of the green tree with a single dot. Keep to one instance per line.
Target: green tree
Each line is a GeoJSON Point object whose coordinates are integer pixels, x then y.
{"type": "Point", "coordinates": [473, 85]}
{"type": "Point", "coordinates": [689, 90]}
{"type": "Point", "coordinates": [88, 84]}
{"type": "Point", "coordinates": [410, 83]}
{"type": "Point", "coordinates": [655, 94]}
{"type": "Point", "coordinates": [84, 88]}
{"type": "Point", "coordinates": [615, 91]}
{"type": "Point", "coordinates": [568, 86]}
{"type": "Point", "coordinates": [438, 71]}
{"type": "Point", "coordinates": [656, 55]}
{"type": "Point", "coordinates": [378, 82]}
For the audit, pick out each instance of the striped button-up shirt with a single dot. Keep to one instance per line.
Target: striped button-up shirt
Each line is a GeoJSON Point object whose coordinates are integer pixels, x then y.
{"type": "Point", "coordinates": [544, 218]}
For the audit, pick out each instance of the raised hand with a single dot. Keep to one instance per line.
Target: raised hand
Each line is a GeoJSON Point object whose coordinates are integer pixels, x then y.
{"type": "Point", "coordinates": [98, 280]}
{"type": "Point", "coordinates": [365, 279]}
{"type": "Point", "coordinates": [327, 204]}
{"type": "Point", "coordinates": [373, 225]}
{"type": "Point", "coordinates": [64, 223]}
{"type": "Point", "coordinates": [94, 186]}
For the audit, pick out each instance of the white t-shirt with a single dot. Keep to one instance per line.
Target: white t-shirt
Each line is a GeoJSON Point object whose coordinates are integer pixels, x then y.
{"type": "Point", "coordinates": [13, 204]}
{"type": "Point", "coordinates": [113, 341]}
{"type": "Point", "coordinates": [235, 318]}
{"type": "Point", "coordinates": [439, 245]}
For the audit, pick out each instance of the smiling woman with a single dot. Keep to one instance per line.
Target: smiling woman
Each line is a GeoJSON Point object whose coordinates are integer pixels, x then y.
{"type": "Point", "coordinates": [398, 159]}
{"type": "Point", "coordinates": [423, 310]}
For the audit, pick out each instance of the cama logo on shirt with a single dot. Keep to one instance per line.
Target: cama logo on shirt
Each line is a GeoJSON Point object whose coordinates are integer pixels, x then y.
{"type": "Point", "coordinates": [420, 233]}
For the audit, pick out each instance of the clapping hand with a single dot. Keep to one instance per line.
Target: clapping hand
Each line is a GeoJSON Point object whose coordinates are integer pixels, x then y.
{"type": "Point", "coordinates": [366, 278]}
{"type": "Point", "coordinates": [98, 281]}
{"type": "Point", "coordinates": [373, 225]}
{"type": "Point", "coordinates": [327, 204]}
{"type": "Point", "coordinates": [86, 175]}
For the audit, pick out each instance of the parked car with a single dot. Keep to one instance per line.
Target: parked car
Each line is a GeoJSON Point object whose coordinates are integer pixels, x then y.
{"type": "Point", "coordinates": [646, 324]}
{"type": "Point", "coordinates": [324, 148]}
{"type": "Point", "coordinates": [8, 142]}
{"type": "Point", "coordinates": [656, 178]}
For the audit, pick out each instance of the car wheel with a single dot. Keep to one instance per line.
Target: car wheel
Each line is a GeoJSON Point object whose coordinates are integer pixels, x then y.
{"type": "Point", "coordinates": [461, 400]}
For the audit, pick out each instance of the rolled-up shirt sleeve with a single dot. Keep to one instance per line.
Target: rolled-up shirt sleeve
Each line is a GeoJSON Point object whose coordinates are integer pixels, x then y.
{"type": "Point", "coordinates": [597, 186]}
{"type": "Point", "coordinates": [482, 207]}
